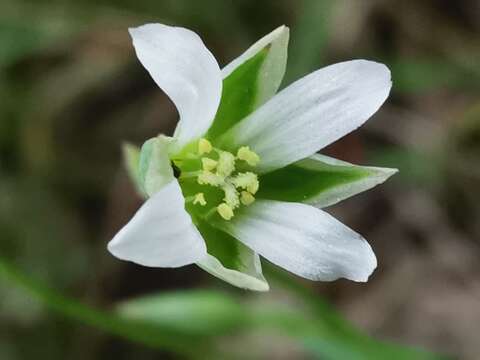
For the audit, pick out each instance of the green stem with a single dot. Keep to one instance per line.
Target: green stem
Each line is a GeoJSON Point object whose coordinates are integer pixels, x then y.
{"type": "Point", "coordinates": [147, 334]}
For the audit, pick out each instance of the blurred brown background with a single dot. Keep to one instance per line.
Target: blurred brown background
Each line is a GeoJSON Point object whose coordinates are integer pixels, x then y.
{"type": "Point", "coordinates": [71, 90]}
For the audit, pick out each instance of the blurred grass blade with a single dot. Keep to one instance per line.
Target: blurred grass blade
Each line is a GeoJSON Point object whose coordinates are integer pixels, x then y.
{"type": "Point", "coordinates": [428, 74]}
{"type": "Point", "coordinates": [307, 46]}
{"type": "Point", "coordinates": [156, 335]}
{"type": "Point", "coordinates": [196, 312]}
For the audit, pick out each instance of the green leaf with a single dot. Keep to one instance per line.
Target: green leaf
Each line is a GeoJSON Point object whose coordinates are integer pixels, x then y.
{"type": "Point", "coordinates": [216, 314]}
{"type": "Point", "coordinates": [201, 312]}
{"type": "Point", "coordinates": [230, 260]}
{"type": "Point", "coordinates": [251, 79]}
{"type": "Point", "coordinates": [155, 169]}
{"type": "Point", "coordinates": [320, 180]}
{"type": "Point", "coordinates": [150, 334]}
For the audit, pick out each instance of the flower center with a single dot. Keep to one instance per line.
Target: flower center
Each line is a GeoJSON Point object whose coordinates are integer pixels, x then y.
{"type": "Point", "coordinates": [222, 170]}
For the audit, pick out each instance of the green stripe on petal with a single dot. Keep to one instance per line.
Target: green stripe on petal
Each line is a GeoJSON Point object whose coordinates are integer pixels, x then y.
{"type": "Point", "coordinates": [251, 79]}
{"type": "Point", "coordinates": [230, 260]}
{"type": "Point", "coordinates": [155, 170]}
{"type": "Point", "coordinates": [320, 180]}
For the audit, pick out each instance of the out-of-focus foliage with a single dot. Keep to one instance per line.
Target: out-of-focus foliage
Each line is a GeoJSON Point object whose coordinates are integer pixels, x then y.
{"type": "Point", "coordinates": [72, 91]}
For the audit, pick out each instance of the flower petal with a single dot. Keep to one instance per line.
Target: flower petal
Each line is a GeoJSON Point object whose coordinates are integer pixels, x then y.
{"type": "Point", "coordinates": [303, 239]}
{"type": "Point", "coordinates": [312, 113]}
{"type": "Point", "coordinates": [161, 233]}
{"type": "Point", "coordinates": [320, 181]}
{"type": "Point", "coordinates": [230, 260]}
{"type": "Point", "coordinates": [187, 72]}
{"type": "Point", "coordinates": [251, 79]}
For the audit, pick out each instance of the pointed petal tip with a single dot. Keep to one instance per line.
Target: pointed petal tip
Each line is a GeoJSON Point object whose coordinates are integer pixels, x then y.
{"type": "Point", "coordinates": [283, 28]}
{"type": "Point", "coordinates": [382, 174]}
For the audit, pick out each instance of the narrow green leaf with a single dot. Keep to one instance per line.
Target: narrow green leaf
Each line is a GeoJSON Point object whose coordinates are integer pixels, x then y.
{"type": "Point", "coordinates": [310, 46]}
{"type": "Point", "coordinates": [320, 180]}
{"type": "Point", "coordinates": [230, 260]}
{"type": "Point", "coordinates": [150, 334]}
{"type": "Point", "coordinates": [251, 80]}
{"type": "Point", "coordinates": [201, 312]}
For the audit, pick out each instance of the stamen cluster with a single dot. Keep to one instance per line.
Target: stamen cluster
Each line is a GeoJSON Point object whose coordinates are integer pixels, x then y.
{"type": "Point", "coordinates": [219, 170]}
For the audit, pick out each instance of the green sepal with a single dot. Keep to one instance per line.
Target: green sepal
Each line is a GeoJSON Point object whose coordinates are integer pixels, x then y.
{"type": "Point", "coordinates": [230, 260]}
{"type": "Point", "coordinates": [155, 169]}
{"type": "Point", "coordinates": [250, 80]}
{"type": "Point", "coordinates": [320, 180]}
{"type": "Point", "coordinates": [131, 159]}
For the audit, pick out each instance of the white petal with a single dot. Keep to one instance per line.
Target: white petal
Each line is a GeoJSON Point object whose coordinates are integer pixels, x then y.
{"type": "Point", "coordinates": [187, 72]}
{"type": "Point", "coordinates": [312, 113]}
{"type": "Point", "coordinates": [161, 233]}
{"type": "Point", "coordinates": [304, 240]}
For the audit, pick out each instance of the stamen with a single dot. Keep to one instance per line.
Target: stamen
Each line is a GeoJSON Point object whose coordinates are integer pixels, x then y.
{"type": "Point", "coordinates": [238, 188]}
{"type": "Point", "coordinates": [247, 155]}
{"type": "Point", "coordinates": [204, 146]}
{"type": "Point", "coordinates": [225, 211]}
{"type": "Point", "coordinates": [199, 199]}
{"type": "Point", "coordinates": [247, 198]}
{"type": "Point", "coordinates": [226, 164]}
{"type": "Point", "coordinates": [247, 180]}
{"type": "Point", "coordinates": [231, 195]}
{"type": "Point", "coordinates": [208, 164]}
{"type": "Point", "coordinates": [208, 178]}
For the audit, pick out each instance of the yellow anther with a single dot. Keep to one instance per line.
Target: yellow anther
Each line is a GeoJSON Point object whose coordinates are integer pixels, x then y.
{"type": "Point", "coordinates": [199, 199]}
{"type": "Point", "coordinates": [245, 154]}
{"type": "Point", "coordinates": [204, 146]}
{"type": "Point", "coordinates": [208, 178]}
{"type": "Point", "coordinates": [226, 164]}
{"type": "Point", "coordinates": [231, 195]}
{"type": "Point", "coordinates": [208, 164]}
{"type": "Point", "coordinates": [225, 211]}
{"type": "Point", "coordinates": [247, 180]}
{"type": "Point", "coordinates": [253, 186]}
{"type": "Point", "coordinates": [246, 198]}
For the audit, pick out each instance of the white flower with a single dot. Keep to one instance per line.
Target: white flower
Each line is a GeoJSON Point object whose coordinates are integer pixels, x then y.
{"type": "Point", "coordinates": [240, 177]}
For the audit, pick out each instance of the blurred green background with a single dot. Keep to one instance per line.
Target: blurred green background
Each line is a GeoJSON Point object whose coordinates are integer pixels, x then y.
{"type": "Point", "coordinates": [71, 90]}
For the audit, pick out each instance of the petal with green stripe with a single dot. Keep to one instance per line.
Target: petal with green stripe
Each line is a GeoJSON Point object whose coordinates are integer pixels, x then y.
{"type": "Point", "coordinates": [320, 180]}
{"type": "Point", "coordinates": [251, 79]}
{"type": "Point", "coordinates": [230, 260]}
